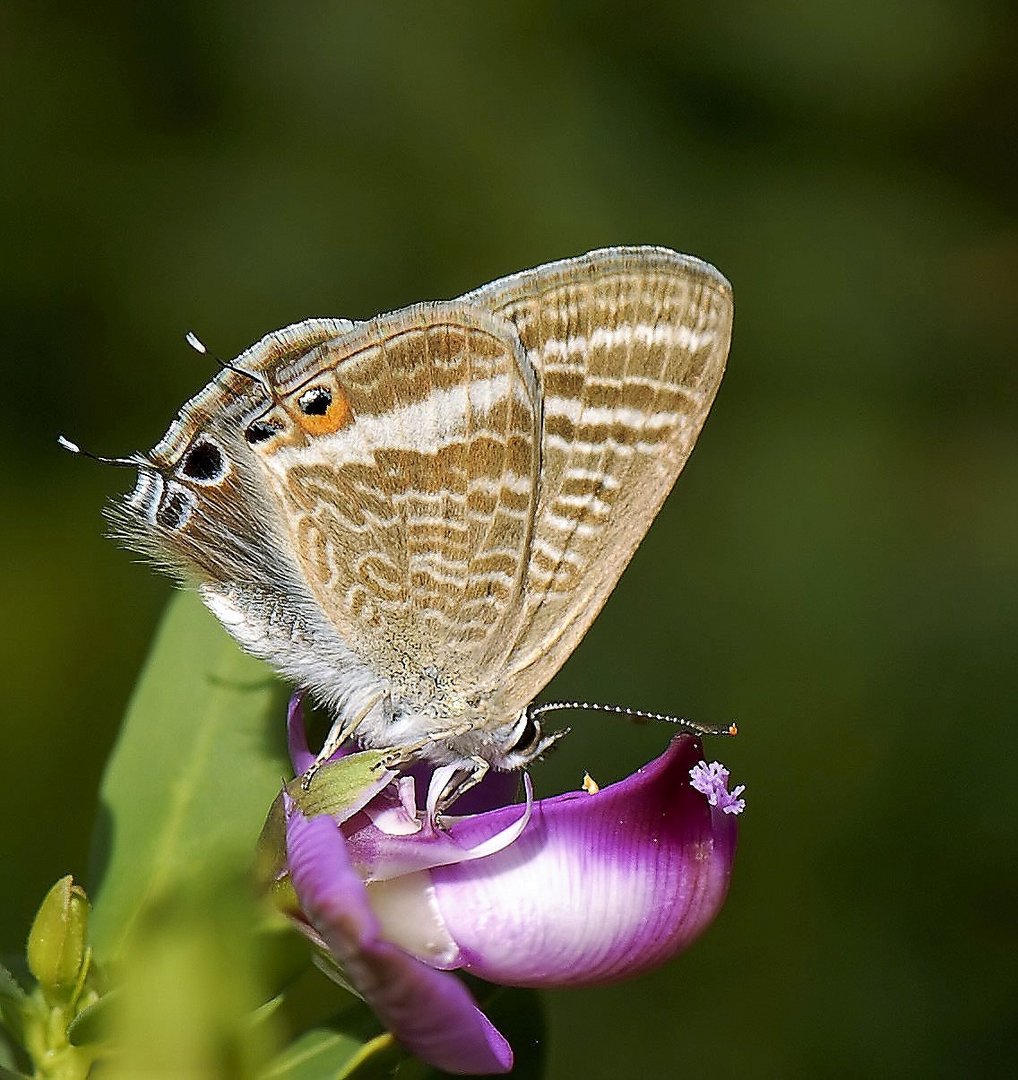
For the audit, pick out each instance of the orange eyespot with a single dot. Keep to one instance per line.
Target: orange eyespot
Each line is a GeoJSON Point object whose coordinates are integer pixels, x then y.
{"type": "Point", "coordinates": [322, 410]}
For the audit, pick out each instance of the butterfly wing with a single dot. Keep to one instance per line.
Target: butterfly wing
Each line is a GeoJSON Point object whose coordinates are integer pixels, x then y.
{"type": "Point", "coordinates": [629, 345]}
{"type": "Point", "coordinates": [436, 503]}
{"type": "Point", "coordinates": [201, 511]}
{"type": "Point", "coordinates": [409, 497]}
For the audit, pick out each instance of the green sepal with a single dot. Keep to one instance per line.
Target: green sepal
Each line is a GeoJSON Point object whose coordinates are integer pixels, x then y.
{"type": "Point", "coordinates": [339, 789]}
{"type": "Point", "coordinates": [343, 787]}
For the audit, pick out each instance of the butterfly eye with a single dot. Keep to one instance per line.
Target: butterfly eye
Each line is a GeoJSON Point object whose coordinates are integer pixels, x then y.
{"type": "Point", "coordinates": [259, 431]}
{"type": "Point", "coordinates": [530, 734]}
{"type": "Point", "coordinates": [204, 461]}
{"type": "Point", "coordinates": [316, 401]}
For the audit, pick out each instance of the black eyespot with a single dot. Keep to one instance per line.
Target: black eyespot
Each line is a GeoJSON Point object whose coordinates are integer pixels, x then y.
{"type": "Point", "coordinates": [204, 461]}
{"type": "Point", "coordinates": [528, 737]}
{"type": "Point", "coordinates": [316, 401]}
{"type": "Point", "coordinates": [173, 510]}
{"type": "Point", "coordinates": [260, 430]}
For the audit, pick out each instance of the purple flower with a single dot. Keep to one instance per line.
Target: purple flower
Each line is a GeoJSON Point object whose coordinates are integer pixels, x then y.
{"type": "Point", "coordinates": [567, 891]}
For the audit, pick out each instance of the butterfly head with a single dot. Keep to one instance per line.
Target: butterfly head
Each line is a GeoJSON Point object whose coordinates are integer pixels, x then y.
{"type": "Point", "coordinates": [525, 742]}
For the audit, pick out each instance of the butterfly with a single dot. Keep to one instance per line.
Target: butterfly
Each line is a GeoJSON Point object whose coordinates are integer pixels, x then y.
{"type": "Point", "coordinates": [417, 517]}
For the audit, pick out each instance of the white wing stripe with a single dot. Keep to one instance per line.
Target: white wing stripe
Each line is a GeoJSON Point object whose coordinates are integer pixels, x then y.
{"type": "Point", "coordinates": [612, 337]}
{"type": "Point", "coordinates": [573, 409]}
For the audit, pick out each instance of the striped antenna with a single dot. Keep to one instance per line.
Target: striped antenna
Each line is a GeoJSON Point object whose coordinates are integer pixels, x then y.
{"type": "Point", "coordinates": [636, 714]}
{"type": "Point", "coordinates": [133, 461]}
{"type": "Point", "coordinates": [200, 347]}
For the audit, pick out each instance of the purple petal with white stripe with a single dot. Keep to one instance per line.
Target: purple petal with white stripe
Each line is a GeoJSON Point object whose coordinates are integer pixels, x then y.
{"type": "Point", "coordinates": [576, 889]}
{"type": "Point", "coordinates": [431, 1013]}
{"type": "Point", "coordinates": [599, 887]}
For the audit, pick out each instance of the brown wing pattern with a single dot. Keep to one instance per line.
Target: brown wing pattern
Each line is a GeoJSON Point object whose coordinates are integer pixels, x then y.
{"type": "Point", "coordinates": [440, 500]}
{"type": "Point", "coordinates": [629, 346]}
{"type": "Point", "coordinates": [410, 510]}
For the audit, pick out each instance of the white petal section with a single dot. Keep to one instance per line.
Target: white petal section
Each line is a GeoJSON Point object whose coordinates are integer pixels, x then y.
{"type": "Point", "coordinates": [598, 887]}
{"type": "Point", "coordinates": [409, 917]}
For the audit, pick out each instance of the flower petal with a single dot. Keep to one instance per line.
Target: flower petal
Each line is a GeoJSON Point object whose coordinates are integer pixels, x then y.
{"type": "Point", "coordinates": [381, 854]}
{"type": "Point", "coordinates": [496, 789]}
{"type": "Point", "coordinates": [599, 887]}
{"type": "Point", "coordinates": [297, 736]}
{"type": "Point", "coordinates": [430, 1012]}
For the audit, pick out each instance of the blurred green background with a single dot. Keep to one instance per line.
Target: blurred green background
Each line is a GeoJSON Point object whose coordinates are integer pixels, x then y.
{"type": "Point", "coordinates": [837, 568]}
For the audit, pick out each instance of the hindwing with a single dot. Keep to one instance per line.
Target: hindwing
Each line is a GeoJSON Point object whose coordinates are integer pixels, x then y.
{"type": "Point", "coordinates": [629, 345]}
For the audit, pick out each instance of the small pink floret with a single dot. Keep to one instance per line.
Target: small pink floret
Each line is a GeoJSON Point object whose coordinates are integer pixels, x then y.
{"type": "Point", "coordinates": [712, 780]}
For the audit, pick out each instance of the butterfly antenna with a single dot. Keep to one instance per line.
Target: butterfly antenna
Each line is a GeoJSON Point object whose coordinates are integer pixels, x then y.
{"type": "Point", "coordinates": [132, 461]}
{"type": "Point", "coordinates": [199, 346]}
{"type": "Point", "coordinates": [637, 714]}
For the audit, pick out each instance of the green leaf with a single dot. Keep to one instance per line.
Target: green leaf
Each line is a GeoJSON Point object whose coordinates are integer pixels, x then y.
{"type": "Point", "coordinates": [347, 1047]}
{"type": "Point", "coordinates": [193, 979]}
{"type": "Point", "coordinates": [316, 1055]}
{"type": "Point", "coordinates": [339, 1034]}
{"type": "Point", "coordinates": [313, 1000]}
{"type": "Point", "coordinates": [9, 988]}
{"type": "Point", "coordinates": [377, 1060]}
{"type": "Point", "coordinates": [10, 1074]}
{"type": "Point", "coordinates": [93, 1023]}
{"type": "Point", "coordinates": [12, 1001]}
{"type": "Point", "coordinates": [200, 757]}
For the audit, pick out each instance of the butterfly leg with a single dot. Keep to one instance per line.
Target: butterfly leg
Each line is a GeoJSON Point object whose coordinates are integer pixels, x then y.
{"type": "Point", "coordinates": [340, 731]}
{"type": "Point", "coordinates": [403, 755]}
{"type": "Point", "coordinates": [452, 780]}
{"type": "Point", "coordinates": [461, 782]}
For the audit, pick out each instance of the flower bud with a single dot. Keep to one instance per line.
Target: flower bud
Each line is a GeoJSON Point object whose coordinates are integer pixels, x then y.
{"type": "Point", "coordinates": [57, 946]}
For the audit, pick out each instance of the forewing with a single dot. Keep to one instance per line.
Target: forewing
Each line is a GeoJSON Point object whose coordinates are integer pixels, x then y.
{"type": "Point", "coordinates": [629, 345]}
{"type": "Point", "coordinates": [410, 498]}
